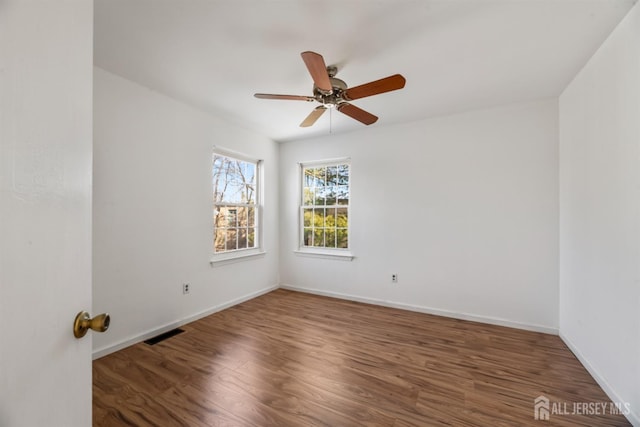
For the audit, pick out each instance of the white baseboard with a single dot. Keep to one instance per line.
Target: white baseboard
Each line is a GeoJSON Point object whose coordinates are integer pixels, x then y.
{"type": "Point", "coordinates": [429, 310]}
{"type": "Point", "coordinates": [101, 352]}
{"type": "Point", "coordinates": [634, 416]}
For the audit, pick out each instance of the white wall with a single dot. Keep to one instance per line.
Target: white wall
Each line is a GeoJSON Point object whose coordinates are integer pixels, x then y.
{"type": "Point", "coordinates": [463, 208]}
{"type": "Point", "coordinates": [153, 212]}
{"type": "Point", "coordinates": [600, 214]}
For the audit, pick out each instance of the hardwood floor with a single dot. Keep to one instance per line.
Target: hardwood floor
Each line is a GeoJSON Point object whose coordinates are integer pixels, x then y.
{"type": "Point", "coordinates": [293, 359]}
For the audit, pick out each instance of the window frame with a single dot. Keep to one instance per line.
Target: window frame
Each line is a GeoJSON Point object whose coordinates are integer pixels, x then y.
{"type": "Point", "coordinates": [315, 251]}
{"type": "Point", "coordinates": [242, 253]}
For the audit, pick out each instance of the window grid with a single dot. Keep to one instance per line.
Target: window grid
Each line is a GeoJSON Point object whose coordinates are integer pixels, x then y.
{"type": "Point", "coordinates": [235, 207]}
{"type": "Point", "coordinates": [324, 211]}
{"type": "Point", "coordinates": [236, 225]}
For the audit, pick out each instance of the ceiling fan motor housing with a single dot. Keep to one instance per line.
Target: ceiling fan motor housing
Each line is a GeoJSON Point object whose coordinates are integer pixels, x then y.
{"type": "Point", "coordinates": [336, 95]}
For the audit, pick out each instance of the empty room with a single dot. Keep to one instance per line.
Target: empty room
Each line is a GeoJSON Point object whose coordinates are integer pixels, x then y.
{"type": "Point", "coordinates": [320, 213]}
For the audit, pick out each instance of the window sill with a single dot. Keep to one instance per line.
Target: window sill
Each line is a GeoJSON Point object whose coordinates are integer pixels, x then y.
{"type": "Point", "coordinates": [224, 259]}
{"type": "Point", "coordinates": [337, 255]}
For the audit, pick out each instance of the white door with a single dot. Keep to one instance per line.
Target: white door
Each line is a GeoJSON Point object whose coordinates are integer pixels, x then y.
{"type": "Point", "coordinates": [45, 211]}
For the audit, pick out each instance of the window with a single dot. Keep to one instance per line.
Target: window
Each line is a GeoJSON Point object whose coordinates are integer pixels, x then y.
{"type": "Point", "coordinates": [235, 203]}
{"type": "Point", "coordinates": [324, 211]}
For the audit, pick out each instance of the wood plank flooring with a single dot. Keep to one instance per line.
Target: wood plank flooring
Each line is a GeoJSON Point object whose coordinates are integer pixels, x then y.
{"type": "Point", "coordinates": [294, 359]}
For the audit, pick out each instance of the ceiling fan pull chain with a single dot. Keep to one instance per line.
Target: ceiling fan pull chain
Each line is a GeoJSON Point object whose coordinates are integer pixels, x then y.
{"type": "Point", "coordinates": [330, 121]}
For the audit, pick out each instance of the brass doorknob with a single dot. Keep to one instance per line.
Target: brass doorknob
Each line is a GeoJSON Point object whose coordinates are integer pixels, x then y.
{"type": "Point", "coordinates": [84, 322]}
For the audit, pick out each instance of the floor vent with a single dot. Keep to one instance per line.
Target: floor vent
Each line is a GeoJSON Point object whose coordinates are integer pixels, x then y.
{"type": "Point", "coordinates": [162, 337]}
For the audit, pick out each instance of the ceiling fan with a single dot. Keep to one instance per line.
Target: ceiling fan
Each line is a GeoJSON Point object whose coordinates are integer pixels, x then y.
{"type": "Point", "coordinates": [332, 92]}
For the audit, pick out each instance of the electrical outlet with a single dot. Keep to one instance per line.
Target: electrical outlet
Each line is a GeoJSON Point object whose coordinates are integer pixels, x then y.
{"type": "Point", "coordinates": [394, 278]}
{"type": "Point", "coordinates": [186, 287]}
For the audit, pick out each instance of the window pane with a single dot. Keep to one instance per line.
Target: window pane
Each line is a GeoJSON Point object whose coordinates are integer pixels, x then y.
{"type": "Point", "coordinates": [332, 175]}
{"type": "Point", "coordinates": [330, 217]}
{"type": "Point", "coordinates": [342, 219]}
{"type": "Point", "coordinates": [233, 180]}
{"type": "Point", "coordinates": [242, 216]}
{"type": "Point", "coordinates": [251, 238]}
{"type": "Point", "coordinates": [343, 174]}
{"type": "Point", "coordinates": [320, 196]}
{"type": "Point", "coordinates": [248, 173]}
{"type": "Point", "coordinates": [231, 216]}
{"type": "Point", "coordinates": [219, 240]}
{"type": "Point", "coordinates": [308, 196]}
{"type": "Point", "coordinates": [320, 176]}
{"type": "Point", "coordinates": [343, 238]}
{"type": "Point", "coordinates": [318, 237]}
{"type": "Point", "coordinates": [231, 243]}
{"type": "Point", "coordinates": [343, 194]}
{"type": "Point", "coordinates": [330, 238]}
{"type": "Point", "coordinates": [330, 196]}
{"type": "Point", "coordinates": [242, 238]}
{"type": "Point", "coordinates": [309, 178]}
{"type": "Point", "coordinates": [251, 222]}
{"type": "Point", "coordinates": [308, 237]}
{"type": "Point", "coordinates": [307, 216]}
{"type": "Point", "coordinates": [318, 217]}
{"type": "Point", "coordinates": [218, 218]}
{"type": "Point", "coordinates": [233, 192]}
{"type": "Point", "coordinates": [315, 177]}
{"type": "Point", "coordinates": [218, 178]}
{"type": "Point", "coordinates": [218, 161]}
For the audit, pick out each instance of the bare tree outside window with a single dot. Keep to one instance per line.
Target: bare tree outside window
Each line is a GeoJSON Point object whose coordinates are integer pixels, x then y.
{"type": "Point", "coordinates": [234, 204]}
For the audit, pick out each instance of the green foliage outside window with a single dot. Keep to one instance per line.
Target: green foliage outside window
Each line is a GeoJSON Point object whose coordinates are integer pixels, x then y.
{"type": "Point", "coordinates": [325, 211]}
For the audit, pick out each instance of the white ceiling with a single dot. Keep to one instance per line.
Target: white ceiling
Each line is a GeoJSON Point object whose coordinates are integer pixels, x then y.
{"type": "Point", "coordinates": [456, 55]}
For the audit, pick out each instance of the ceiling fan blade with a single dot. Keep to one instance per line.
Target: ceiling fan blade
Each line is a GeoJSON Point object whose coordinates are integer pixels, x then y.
{"type": "Point", "coordinates": [357, 113]}
{"type": "Point", "coordinates": [315, 115]}
{"type": "Point", "coordinates": [285, 97]}
{"type": "Point", "coordinates": [318, 70]}
{"type": "Point", "coordinates": [387, 84]}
